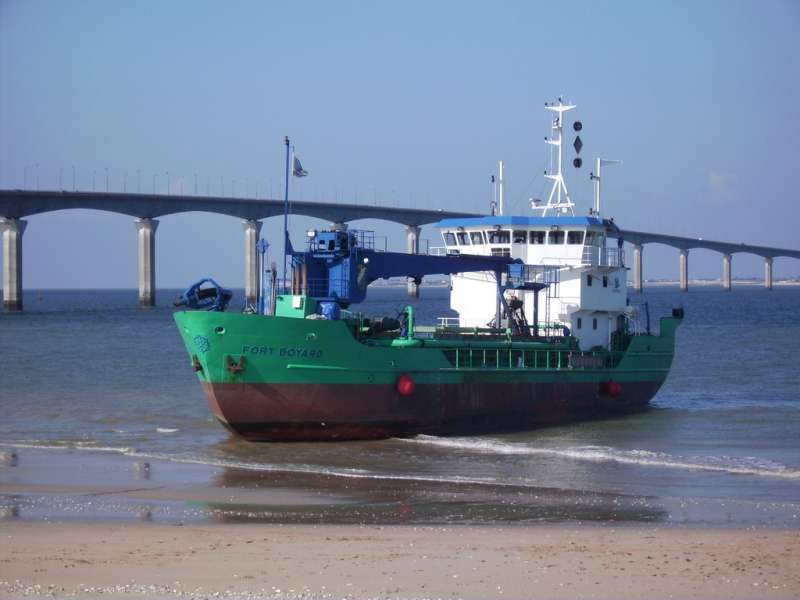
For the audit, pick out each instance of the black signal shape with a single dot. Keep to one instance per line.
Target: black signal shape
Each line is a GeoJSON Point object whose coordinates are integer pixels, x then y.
{"type": "Point", "coordinates": [578, 145]}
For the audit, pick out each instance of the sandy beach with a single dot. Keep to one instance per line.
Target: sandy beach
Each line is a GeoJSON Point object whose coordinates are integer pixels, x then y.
{"type": "Point", "coordinates": [92, 560]}
{"type": "Point", "coordinates": [98, 525]}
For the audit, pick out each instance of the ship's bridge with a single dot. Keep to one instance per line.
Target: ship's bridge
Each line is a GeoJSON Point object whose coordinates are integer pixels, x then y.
{"type": "Point", "coordinates": [563, 241]}
{"type": "Point", "coordinates": [590, 296]}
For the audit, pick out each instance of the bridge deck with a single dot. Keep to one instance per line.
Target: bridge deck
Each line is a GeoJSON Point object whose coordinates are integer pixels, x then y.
{"type": "Point", "coordinates": [22, 203]}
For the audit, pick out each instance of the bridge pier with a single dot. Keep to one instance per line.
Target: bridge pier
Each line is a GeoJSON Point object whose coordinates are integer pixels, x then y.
{"type": "Point", "coordinates": [146, 232]}
{"type": "Point", "coordinates": [684, 263]}
{"type": "Point", "coordinates": [726, 272]}
{"type": "Point", "coordinates": [252, 229]}
{"type": "Point", "coordinates": [12, 262]}
{"type": "Point", "coordinates": [768, 272]}
{"type": "Point", "coordinates": [637, 268]}
{"type": "Point", "coordinates": [412, 241]}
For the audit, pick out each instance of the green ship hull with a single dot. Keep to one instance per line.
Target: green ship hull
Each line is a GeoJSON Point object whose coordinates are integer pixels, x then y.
{"type": "Point", "coordinates": [277, 378]}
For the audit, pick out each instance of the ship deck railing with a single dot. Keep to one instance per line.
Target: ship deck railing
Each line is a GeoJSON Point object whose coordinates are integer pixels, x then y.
{"type": "Point", "coordinates": [598, 256]}
{"type": "Point", "coordinates": [365, 238]}
{"type": "Point", "coordinates": [451, 326]}
{"type": "Point", "coordinates": [638, 317]}
{"type": "Point", "coordinates": [528, 359]}
{"type": "Point", "coordinates": [316, 287]}
{"type": "Point", "coordinates": [446, 322]}
{"type": "Point", "coordinates": [595, 256]}
{"type": "Point", "coordinates": [591, 256]}
{"type": "Point", "coordinates": [462, 333]}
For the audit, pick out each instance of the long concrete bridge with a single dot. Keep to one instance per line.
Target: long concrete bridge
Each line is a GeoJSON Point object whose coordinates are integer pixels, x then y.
{"type": "Point", "coordinates": [639, 238]}
{"type": "Point", "coordinates": [145, 208]}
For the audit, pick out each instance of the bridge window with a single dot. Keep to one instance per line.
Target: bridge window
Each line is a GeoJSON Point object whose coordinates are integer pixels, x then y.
{"type": "Point", "coordinates": [537, 237]}
{"type": "Point", "coordinates": [589, 280]}
{"type": "Point", "coordinates": [499, 236]}
{"type": "Point", "coordinates": [593, 238]}
{"type": "Point", "coordinates": [556, 237]}
{"type": "Point", "coordinates": [575, 237]}
{"type": "Point", "coordinates": [605, 280]}
{"type": "Point", "coordinates": [463, 239]}
{"type": "Point", "coordinates": [477, 238]}
{"type": "Point", "coordinates": [520, 236]}
{"type": "Point", "coordinates": [449, 239]}
{"type": "Point", "coordinates": [501, 252]}
{"type": "Point", "coordinates": [579, 323]}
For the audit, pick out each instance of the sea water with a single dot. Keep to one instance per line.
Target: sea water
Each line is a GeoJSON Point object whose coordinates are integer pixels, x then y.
{"type": "Point", "coordinates": [89, 372]}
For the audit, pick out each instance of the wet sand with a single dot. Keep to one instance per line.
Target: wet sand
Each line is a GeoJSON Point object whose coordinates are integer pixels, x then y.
{"type": "Point", "coordinates": [69, 485]}
{"type": "Point", "coordinates": [146, 560]}
{"type": "Point", "coordinates": [91, 525]}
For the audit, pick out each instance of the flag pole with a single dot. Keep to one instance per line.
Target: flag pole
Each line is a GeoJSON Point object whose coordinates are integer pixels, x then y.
{"type": "Point", "coordinates": [286, 211]}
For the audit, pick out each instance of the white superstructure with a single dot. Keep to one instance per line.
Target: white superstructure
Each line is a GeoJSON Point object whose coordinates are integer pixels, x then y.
{"type": "Point", "coordinates": [588, 291]}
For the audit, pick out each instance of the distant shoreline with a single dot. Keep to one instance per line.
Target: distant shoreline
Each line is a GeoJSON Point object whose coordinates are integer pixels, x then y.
{"type": "Point", "coordinates": [718, 282]}
{"type": "Point", "coordinates": [440, 284]}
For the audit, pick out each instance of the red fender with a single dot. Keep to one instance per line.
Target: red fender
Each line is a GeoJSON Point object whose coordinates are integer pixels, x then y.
{"type": "Point", "coordinates": [405, 385]}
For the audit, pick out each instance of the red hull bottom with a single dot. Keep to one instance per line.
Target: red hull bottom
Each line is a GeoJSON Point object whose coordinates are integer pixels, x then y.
{"type": "Point", "coordinates": [302, 412]}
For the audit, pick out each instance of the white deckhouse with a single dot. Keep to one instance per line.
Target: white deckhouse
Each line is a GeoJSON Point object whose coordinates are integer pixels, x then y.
{"type": "Point", "coordinates": [588, 288]}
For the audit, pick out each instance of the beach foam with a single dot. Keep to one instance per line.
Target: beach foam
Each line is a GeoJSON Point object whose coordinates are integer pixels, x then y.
{"type": "Point", "coordinates": [735, 465]}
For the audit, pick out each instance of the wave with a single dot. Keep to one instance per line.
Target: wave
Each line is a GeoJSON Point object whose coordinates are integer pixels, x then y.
{"type": "Point", "coordinates": [735, 465]}
{"type": "Point", "coordinates": [67, 445]}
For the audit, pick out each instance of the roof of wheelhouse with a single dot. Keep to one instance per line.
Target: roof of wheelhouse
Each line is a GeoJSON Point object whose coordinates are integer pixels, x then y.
{"type": "Point", "coordinates": [522, 221]}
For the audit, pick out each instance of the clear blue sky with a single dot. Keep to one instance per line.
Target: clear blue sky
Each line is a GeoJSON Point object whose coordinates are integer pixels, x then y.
{"type": "Point", "coordinates": [407, 102]}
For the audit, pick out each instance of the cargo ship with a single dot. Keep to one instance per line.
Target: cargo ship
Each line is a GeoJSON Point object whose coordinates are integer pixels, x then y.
{"type": "Point", "coordinates": [545, 332]}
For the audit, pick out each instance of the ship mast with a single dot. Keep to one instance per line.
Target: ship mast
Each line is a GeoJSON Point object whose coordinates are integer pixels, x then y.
{"type": "Point", "coordinates": [559, 199]}
{"type": "Point", "coordinates": [601, 162]}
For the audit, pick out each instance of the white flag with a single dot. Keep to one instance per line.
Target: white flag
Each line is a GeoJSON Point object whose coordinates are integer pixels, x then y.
{"type": "Point", "coordinates": [297, 168]}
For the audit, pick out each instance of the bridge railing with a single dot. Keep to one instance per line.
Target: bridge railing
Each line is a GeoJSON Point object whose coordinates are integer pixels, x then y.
{"type": "Point", "coordinates": [603, 257]}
